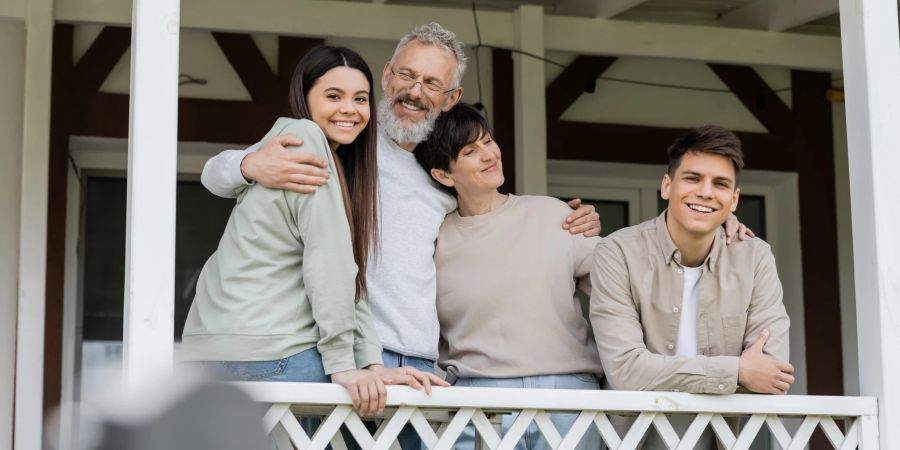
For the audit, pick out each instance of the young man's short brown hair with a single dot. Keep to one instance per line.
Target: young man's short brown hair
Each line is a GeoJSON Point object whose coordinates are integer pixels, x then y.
{"type": "Point", "coordinates": [707, 139]}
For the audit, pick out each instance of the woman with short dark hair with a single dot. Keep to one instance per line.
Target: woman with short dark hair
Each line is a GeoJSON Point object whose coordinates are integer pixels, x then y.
{"type": "Point", "coordinates": [506, 279]}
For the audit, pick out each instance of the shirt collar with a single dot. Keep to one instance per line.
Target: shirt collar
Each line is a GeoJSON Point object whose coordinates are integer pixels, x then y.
{"type": "Point", "coordinates": [671, 252]}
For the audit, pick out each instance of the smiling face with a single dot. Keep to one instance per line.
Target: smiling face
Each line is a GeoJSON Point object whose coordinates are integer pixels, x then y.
{"type": "Point", "coordinates": [701, 193]}
{"type": "Point", "coordinates": [417, 85]}
{"type": "Point", "coordinates": [339, 104]}
{"type": "Point", "coordinates": [476, 170]}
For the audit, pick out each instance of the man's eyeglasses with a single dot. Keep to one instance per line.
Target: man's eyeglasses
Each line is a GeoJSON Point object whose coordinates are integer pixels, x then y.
{"type": "Point", "coordinates": [411, 79]}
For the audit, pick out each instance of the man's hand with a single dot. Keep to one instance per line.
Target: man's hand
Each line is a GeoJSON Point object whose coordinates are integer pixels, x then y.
{"type": "Point", "coordinates": [409, 376]}
{"type": "Point", "coordinates": [366, 389]}
{"type": "Point", "coordinates": [276, 167]}
{"type": "Point", "coordinates": [762, 373]}
{"type": "Point", "coordinates": [583, 220]}
{"type": "Point", "coordinates": [733, 226]}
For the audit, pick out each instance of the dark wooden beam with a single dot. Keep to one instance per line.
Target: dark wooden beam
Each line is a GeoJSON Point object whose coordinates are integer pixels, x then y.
{"type": "Point", "coordinates": [818, 228]}
{"type": "Point", "coordinates": [504, 116]}
{"type": "Point", "coordinates": [61, 108]}
{"type": "Point", "coordinates": [757, 97]}
{"type": "Point", "coordinates": [250, 65]}
{"type": "Point", "coordinates": [571, 83]}
{"type": "Point", "coordinates": [290, 50]}
{"type": "Point", "coordinates": [198, 119]}
{"type": "Point", "coordinates": [100, 59]}
{"type": "Point", "coordinates": [584, 141]}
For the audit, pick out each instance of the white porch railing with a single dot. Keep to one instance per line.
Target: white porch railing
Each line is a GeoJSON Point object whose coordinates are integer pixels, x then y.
{"type": "Point", "coordinates": [440, 418]}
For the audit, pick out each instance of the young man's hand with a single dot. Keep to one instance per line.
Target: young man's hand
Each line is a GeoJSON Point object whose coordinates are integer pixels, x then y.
{"type": "Point", "coordinates": [409, 376]}
{"type": "Point", "coordinates": [734, 227]}
{"type": "Point", "coordinates": [366, 389]}
{"type": "Point", "coordinates": [762, 373]}
{"type": "Point", "coordinates": [583, 220]}
{"type": "Point", "coordinates": [276, 167]}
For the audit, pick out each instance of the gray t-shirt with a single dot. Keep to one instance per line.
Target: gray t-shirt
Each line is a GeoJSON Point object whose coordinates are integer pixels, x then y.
{"type": "Point", "coordinates": [401, 273]}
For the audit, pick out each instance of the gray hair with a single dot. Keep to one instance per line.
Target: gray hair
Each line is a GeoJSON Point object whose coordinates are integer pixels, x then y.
{"type": "Point", "coordinates": [434, 34]}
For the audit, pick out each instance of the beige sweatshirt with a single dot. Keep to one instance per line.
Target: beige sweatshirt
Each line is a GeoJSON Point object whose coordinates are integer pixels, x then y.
{"type": "Point", "coordinates": [505, 292]}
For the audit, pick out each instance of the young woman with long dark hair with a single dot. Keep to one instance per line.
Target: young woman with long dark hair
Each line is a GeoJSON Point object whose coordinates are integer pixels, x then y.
{"type": "Point", "coordinates": [283, 296]}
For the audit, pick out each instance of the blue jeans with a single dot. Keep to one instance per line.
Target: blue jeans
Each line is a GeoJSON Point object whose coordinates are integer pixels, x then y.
{"type": "Point", "coordinates": [305, 366]}
{"type": "Point", "coordinates": [533, 439]}
{"type": "Point", "coordinates": [408, 438]}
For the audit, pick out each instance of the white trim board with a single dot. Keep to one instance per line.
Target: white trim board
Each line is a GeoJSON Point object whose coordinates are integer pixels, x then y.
{"type": "Point", "coordinates": [29, 406]}
{"type": "Point", "coordinates": [561, 33]}
{"type": "Point", "coordinates": [99, 153]}
{"type": "Point", "coordinates": [12, 10]}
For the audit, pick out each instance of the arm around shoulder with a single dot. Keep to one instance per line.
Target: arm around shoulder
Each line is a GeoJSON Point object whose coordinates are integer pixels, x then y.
{"type": "Point", "coordinates": [222, 173]}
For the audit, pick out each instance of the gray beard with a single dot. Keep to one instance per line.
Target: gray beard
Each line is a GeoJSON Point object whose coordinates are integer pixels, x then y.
{"type": "Point", "coordinates": [398, 131]}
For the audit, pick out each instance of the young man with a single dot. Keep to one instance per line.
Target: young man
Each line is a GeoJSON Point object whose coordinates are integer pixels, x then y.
{"type": "Point", "coordinates": [673, 308]}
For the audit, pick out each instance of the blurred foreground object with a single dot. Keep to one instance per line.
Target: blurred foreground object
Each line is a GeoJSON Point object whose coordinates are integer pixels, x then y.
{"type": "Point", "coordinates": [175, 415]}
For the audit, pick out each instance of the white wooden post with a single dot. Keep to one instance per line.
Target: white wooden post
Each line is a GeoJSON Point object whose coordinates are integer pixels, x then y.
{"type": "Point", "coordinates": [29, 405]}
{"type": "Point", "coordinates": [530, 107]}
{"type": "Point", "coordinates": [871, 52]}
{"type": "Point", "coordinates": [150, 224]}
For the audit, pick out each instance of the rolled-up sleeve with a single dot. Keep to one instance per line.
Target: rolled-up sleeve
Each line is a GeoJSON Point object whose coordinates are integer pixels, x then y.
{"type": "Point", "coordinates": [627, 362]}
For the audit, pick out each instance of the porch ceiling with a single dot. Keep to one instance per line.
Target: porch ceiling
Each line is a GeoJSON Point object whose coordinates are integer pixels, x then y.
{"type": "Point", "coordinates": [806, 16]}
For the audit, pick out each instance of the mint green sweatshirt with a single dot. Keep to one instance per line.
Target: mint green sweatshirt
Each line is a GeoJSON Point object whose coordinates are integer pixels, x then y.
{"type": "Point", "coordinates": [283, 278]}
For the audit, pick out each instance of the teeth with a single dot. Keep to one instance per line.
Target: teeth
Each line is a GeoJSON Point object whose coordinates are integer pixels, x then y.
{"type": "Point", "coordinates": [700, 208]}
{"type": "Point", "coordinates": [344, 124]}
{"type": "Point", "coordinates": [410, 106]}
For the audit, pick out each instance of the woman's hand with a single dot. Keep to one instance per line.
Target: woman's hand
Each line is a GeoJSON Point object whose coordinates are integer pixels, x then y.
{"type": "Point", "coordinates": [583, 220]}
{"type": "Point", "coordinates": [409, 376]}
{"type": "Point", "coordinates": [734, 226]}
{"type": "Point", "coordinates": [366, 389]}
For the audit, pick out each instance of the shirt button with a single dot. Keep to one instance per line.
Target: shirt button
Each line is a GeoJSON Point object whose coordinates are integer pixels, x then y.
{"type": "Point", "coordinates": [680, 271]}
{"type": "Point", "coordinates": [675, 309]}
{"type": "Point", "coordinates": [721, 386]}
{"type": "Point", "coordinates": [670, 346]}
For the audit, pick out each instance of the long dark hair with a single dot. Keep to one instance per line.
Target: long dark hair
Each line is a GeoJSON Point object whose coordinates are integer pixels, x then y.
{"type": "Point", "coordinates": [357, 164]}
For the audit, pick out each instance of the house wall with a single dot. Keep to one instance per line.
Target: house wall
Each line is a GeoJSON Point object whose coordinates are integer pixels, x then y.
{"type": "Point", "coordinates": [12, 84]}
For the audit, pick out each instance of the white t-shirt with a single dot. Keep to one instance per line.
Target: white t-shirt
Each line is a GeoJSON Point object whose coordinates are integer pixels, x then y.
{"type": "Point", "coordinates": [687, 326]}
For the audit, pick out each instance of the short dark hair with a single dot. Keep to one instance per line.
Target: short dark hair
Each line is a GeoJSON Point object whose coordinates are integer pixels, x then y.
{"type": "Point", "coordinates": [453, 130]}
{"type": "Point", "coordinates": [707, 139]}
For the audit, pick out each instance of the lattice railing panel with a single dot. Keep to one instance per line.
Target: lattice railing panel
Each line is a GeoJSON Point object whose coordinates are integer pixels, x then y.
{"type": "Point", "coordinates": [439, 420]}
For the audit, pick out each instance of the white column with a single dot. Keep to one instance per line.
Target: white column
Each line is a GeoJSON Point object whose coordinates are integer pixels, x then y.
{"type": "Point", "coordinates": [33, 225]}
{"type": "Point", "coordinates": [871, 52]}
{"type": "Point", "coordinates": [530, 107]}
{"type": "Point", "coordinates": [150, 225]}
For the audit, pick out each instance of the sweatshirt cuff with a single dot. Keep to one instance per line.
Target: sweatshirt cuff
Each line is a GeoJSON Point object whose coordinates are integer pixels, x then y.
{"type": "Point", "coordinates": [721, 374]}
{"type": "Point", "coordinates": [337, 359]}
{"type": "Point", "coordinates": [235, 175]}
{"type": "Point", "coordinates": [367, 353]}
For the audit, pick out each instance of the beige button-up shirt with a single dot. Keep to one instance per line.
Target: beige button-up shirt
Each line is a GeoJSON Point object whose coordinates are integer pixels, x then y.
{"type": "Point", "coordinates": [636, 302]}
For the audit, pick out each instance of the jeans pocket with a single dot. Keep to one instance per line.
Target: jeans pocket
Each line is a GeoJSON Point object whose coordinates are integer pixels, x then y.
{"type": "Point", "coordinates": [254, 370]}
{"type": "Point", "coordinates": [587, 378]}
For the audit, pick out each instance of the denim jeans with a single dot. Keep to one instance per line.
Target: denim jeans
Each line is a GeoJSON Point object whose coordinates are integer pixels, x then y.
{"type": "Point", "coordinates": [533, 439]}
{"type": "Point", "coordinates": [305, 366]}
{"type": "Point", "coordinates": [408, 438]}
